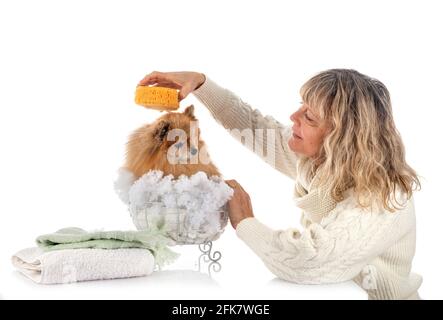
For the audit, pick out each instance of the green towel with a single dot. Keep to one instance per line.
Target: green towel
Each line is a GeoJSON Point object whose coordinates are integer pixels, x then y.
{"type": "Point", "coordinates": [76, 238]}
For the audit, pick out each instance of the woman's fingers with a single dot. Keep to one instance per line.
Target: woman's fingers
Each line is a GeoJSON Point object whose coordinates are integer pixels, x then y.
{"type": "Point", "coordinates": [154, 77]}
{"type": "Point", "coordinates": [235, 185]}
{"type": "Point", "coordinates": [167, 85]}
{"type": "Point", "coordinates": [232, 183]}
{"type": "Point", "coordinates": [238, 189]}
{"type": "Point", "coordinates": [148, 79]}
{"type": "Point", "coordinates": [185, 81]}
{"type": "Point", "coordinates": [239, 205]}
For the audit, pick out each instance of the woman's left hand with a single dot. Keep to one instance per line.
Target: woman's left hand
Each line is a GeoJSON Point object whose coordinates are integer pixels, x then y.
{"type": "Point", "coordinates": [240, 206]}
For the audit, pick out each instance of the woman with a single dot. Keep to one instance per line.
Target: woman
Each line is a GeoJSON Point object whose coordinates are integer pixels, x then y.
{"type": "Point", "coordinates": [351, 181]}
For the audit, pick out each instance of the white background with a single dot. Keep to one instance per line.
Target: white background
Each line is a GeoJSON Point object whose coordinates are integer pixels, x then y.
{"type": "Point", "coordinates": [68, 70]}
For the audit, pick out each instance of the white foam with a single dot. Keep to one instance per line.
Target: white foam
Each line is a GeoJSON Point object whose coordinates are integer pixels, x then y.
{"type": "Point", "coordinates": [187, 208]}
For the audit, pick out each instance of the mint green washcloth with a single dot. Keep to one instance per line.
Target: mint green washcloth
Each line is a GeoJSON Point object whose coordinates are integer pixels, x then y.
{"type": "Point", "coordinates": [76, 238]}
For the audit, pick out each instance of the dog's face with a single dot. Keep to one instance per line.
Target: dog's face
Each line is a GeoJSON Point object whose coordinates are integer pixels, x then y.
{"type": "Point", "coordinates": [153, 137]}
{"type": "Point", "coordinates": [152, 146]}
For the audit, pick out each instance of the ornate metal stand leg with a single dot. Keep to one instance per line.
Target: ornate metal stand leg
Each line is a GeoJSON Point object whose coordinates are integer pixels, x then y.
{"type": "Point", "coordinates": [210, 257]}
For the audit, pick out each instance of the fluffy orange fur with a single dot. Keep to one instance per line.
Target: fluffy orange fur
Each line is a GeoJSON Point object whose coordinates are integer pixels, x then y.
{"type": "Point", "coordinates": [147, 147]}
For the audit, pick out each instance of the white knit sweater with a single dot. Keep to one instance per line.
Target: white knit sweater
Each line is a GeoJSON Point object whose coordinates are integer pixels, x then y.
{"type": "Point", "coordinates": [340, 241]}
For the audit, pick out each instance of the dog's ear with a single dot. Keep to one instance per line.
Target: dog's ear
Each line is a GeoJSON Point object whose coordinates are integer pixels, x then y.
{"type": "Point", "coordinates": [189, 111]}
{"type": "Point", "coordinates": [161, 131]}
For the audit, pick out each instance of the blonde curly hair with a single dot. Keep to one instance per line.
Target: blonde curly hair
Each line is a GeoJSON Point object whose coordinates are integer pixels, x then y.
{"type": "Point", "coordinates": [363, 149]}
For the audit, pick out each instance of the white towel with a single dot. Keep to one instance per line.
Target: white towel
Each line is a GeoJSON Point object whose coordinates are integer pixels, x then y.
{"type": "Point", "coordinates": [74, 265]}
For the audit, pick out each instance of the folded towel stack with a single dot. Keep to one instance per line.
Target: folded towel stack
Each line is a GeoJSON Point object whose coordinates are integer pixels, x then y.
{"type": "Point", "coordinates": [74, 265]}
{"type": "Point", "coordinates": [72, 255]}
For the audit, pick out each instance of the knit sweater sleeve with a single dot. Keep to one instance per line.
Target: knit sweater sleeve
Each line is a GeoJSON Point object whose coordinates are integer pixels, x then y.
{"type": "Point", "coordinates": [263, 135]}
{"type": "Point", "coordinates": [334, 250]}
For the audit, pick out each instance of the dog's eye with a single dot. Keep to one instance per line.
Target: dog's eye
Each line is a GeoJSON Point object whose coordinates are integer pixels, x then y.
{"type": "Point", "coordinates": [163, 130]}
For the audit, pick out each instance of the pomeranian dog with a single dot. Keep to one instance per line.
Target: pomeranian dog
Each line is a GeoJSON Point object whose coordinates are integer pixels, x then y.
{"type": "Point", "coordinates": [171, 144]}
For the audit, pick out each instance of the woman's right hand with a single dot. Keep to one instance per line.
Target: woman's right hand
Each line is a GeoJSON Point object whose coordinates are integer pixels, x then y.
{"type": "Point", "coordinates": [185, 81]}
